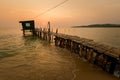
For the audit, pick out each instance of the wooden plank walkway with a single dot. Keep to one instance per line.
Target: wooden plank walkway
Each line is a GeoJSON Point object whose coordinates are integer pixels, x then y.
{"type": "Point", "coordinates": [103, 48]}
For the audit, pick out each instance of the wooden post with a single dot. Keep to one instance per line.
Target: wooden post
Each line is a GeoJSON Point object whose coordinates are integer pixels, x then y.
{"type": "Point", "coordinates": [49, 35]}
{"type": "Point", "coordinates": [52, 40]}
{"type": "Point", "coordinates": [112, 66]}
{"type": "Point", "coordinates": [40, 33]}
{"type": "Point", "coordinates": [80, 53]}
{"type": "Point", "coordinates": [96, 58]}
{"type": "Point", "coordinates": [56, 30]}
{"type": "Point", "coordinates": [23, 32]}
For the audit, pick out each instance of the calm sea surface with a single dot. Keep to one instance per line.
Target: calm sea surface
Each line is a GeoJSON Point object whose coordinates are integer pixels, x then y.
{"type": "Point", "coordinates": [29, 58]}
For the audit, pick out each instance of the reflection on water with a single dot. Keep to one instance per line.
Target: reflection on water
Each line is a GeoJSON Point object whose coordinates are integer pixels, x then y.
{"type": "Point", "coordinates": [29, 58]}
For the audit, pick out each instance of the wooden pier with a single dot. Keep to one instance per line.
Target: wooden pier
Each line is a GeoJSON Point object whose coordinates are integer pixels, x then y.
{"type": "Point", "coordinates": [104, 56]}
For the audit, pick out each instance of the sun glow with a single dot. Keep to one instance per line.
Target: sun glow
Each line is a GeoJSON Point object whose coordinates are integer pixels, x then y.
{"type": "Point", "coordinates": [74, 12]}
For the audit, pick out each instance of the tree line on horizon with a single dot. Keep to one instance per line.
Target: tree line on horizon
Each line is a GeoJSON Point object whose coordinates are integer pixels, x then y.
{"type": "Point", "coordinates": [98, 25]}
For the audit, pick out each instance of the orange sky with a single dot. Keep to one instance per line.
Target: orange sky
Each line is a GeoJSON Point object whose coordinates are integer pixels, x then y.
{"type": "Point", "coordinates": [73, 12]}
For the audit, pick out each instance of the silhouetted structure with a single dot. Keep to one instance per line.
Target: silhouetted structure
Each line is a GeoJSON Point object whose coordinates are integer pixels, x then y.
{"type": "Point", "coordinates": [28, 26]}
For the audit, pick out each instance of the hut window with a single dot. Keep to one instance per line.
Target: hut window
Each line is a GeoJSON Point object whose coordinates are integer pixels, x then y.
{"type": "Point", "coordinates": [27, 24]}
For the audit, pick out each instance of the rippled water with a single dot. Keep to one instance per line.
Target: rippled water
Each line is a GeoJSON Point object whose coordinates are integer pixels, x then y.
{"type": "Point", "coordinates": [29, 58]}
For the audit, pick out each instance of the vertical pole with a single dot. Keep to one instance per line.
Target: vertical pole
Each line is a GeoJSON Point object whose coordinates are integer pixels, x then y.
{"type": "Point", "coordinates": [40, 33]}
{"type": "Point", "coordinates": [49, 36]}
{"type": "Point", "coordinates": [52, 35]}
{"type": "Point", "coordinates": [56, 30]}
{"type": "Point", "coordinates": [23, 32]}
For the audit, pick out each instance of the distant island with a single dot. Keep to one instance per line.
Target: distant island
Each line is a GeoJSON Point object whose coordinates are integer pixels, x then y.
{"type": "Point", "coordinates": [99, 26]}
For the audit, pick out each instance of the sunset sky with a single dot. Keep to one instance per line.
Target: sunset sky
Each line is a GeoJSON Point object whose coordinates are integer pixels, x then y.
{"type": "Point", "coordinates": [73, 12]}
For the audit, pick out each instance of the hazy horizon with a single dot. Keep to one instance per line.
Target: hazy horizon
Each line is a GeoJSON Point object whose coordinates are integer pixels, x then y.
{"type": "Point", "coordinates": [73, 12]}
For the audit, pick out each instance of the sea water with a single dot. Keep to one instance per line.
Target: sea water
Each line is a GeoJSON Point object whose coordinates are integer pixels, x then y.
{"type": "Point", "coordinates": [29, 58]}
